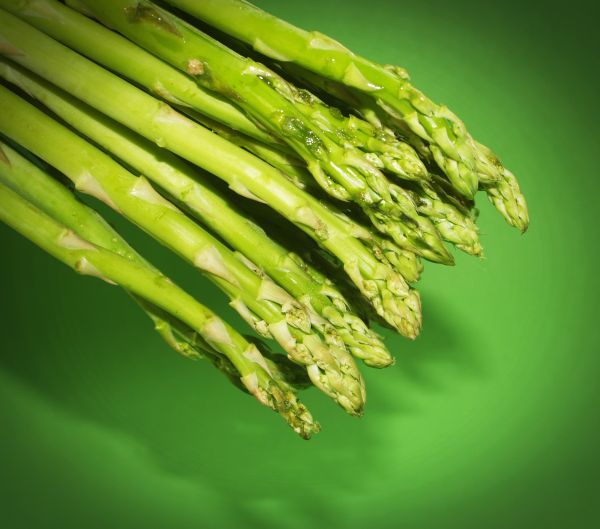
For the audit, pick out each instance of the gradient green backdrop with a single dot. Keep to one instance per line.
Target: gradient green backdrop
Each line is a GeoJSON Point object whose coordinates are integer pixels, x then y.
{"type": "Point", "coordinates": [488, 420]}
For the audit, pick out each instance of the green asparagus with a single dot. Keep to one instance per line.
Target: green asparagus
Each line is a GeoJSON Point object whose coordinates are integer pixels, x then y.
{"type": "Point", "coordinates": [129, 60]}
{"type": "Point", "coordinates": [342, 176]}
{"type": "Point", "coordinates": [48, 195]}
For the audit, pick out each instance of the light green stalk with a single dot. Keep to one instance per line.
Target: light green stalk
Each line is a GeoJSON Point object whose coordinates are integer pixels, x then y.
{"type": "Point", "coordinates": [328, 313]}
{"type": "Point", "coordinates": [266, 306]}
{"type": "Point", "coordinates": [386, 290]}
{"type": "Point", "coordinates": [462, 159]}
{"type": "Point", "coordinates": [292, 167]}
{"type": "Point", "coordinates": [89, 259]}
{"type": "Point", "coordinates": [344, 172]}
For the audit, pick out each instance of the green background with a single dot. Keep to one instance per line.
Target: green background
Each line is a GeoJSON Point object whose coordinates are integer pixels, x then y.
{"type": "Point", "coordinates": [489, 419]}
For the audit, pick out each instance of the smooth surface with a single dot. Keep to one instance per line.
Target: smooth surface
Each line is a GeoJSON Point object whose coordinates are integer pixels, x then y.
{"type": "Point", "coordinates": [489, 419]}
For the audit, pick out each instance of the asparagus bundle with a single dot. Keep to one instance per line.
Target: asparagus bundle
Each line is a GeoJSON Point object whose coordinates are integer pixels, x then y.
{"type": "Point", "coordinates": [268, 308]}
{"type": "Point", "coordinates": [329, 208]}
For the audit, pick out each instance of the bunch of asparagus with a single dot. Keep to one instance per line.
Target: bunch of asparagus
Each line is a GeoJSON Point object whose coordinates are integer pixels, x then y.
{"type": "Point", "coordinates": [341, 177]}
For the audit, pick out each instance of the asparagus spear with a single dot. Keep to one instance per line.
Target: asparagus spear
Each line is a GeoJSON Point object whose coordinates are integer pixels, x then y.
{"type": "Point", "coordinates": [129, 60]}
{"type": "Point", "coordinates": [344, 172]}
{"type": "Point", "coordinates": [268, 307]}
{"type": "Point", "coordinates": [121, 55]}
{"type": "Point", "coordinates": [89, 259]}
{"type": "Point", "coordinates": [464, 160]}
{"type": "Point", "coordinates": [506, 195]}
{"type": "Point", "coordinates": [453, 224]}
{"type": "Point", "coordinates": [386, 290]}
{"type": "Point", "coordinates": [335, 321]}
{"type": "Point", "coordinates": [292, 167]}
{"type": "Point", "coordinates": [187, 342]}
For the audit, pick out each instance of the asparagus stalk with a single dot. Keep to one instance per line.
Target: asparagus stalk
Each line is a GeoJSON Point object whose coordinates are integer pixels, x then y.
{"type": "Point", "coordinates": [131, 61]}
{"type": "Point", "coordinates": [386, 290]}
{"type": "Point", "coordinates": [97, 42]}
{"type": "Point", "coordinates": [46, 194]}
{"type": "Point", "coordinates": [187, 342]}
{"type": "Point", "coordinates": [344, 172]}
{"type": "Point", "coordinates": [268, 307]}
{"type": "Point", "coordinates": [355, 101]}
{"type": "Point", "coordinates": [292, 167]}
{"type": "Point", "coordinates": [89, 259]}
{"type": "Point", "coordinates": [334, 320]}
{"type": "Point", "coordinates": [463, 160]}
